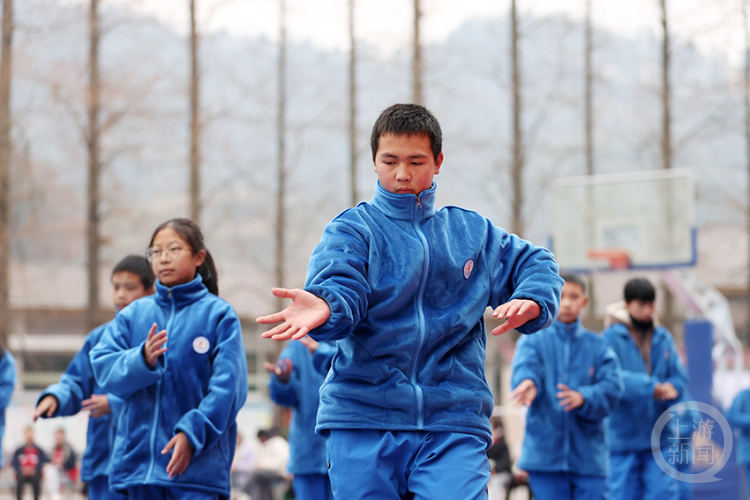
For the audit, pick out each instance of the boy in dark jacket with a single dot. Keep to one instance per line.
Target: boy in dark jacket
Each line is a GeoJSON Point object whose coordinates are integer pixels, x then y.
{"type": "Point", "coordinates": [28, 461]}
{"type": "Point", "coordinates": [403, 287]}
{"type": "Point", "coordinates": [654, 379]}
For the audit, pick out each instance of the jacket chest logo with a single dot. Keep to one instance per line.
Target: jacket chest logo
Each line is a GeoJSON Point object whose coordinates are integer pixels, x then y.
{"type": "Point", "coordinates": [468, 268]}
{"type": "Point", "coordinates": [201, 345]}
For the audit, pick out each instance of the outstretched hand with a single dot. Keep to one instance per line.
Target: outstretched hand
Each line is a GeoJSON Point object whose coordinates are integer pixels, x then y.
{"type": "Point", "coordinates": [517, 312]}
{"type": "Point", "coordinates": [569, 399]}
{"type": "Point", "coordinates": [97, 405]}
{"type": "Point", "coordinates": [282, 369]}
{"type": "Point", "coordinates": [524, 394]}
{"type": "Point", "coordinates": [665, 391]}
{"type": "Point", "coordinates": [182, 453]}
{"type": "Point", "coordinates": [46, 407]}
{"type": "Point", "coordinates": [306, 312]}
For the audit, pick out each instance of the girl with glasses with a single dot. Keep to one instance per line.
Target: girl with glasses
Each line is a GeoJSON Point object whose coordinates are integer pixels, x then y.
{"type": "Point", "coordinates": [178, 361]}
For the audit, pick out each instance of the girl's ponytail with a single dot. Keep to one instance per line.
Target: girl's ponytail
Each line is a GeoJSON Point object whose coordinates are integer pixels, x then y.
{"type": "Point", "coordinates": [207, 270]}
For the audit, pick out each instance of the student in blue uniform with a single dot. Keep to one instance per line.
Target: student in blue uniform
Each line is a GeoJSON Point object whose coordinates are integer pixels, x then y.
{"type": "Point", "coordinates": [738, 417]}
{"type": "Point", "coordinates": [132, 278]}
{"type": "Point", "coordinates": [655, 379]}
{"type": "Point", "coordinates": [403, 288]}
{"type": "Point", "coordinates": [177, 431]}
{"type": "Point", "coordinates": [7, 384]}
{"type": "Point", "coordinates": [571, 381]}
{"type": "Point", "coordinates": [295, 383]}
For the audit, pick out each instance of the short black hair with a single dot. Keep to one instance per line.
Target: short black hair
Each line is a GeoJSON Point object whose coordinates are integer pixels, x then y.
{"type": "Point", "coordinates": [639, 289]}
{"type": "Point", "coordinates": [407, 119]}
{"type": "Point", "coordinates": [574, 279]}
{"type": "Point", "coordinates": [139, 266]}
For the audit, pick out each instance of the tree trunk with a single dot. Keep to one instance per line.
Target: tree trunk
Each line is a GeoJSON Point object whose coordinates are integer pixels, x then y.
{"type": "Point", "coordinates": [588, 99]}
{"type": "Point", "coordinates": [195, 126]}
{"type": "Point", "coordinates": [92, 232]}
{"type": "Point", "coordinates": [417, 63]}
{"type": "Point", "coordinates": [517, 153]}
{"type": "Point", "coordinates": [746, 96]}
{"type": "Point", "coordinates": [666, 140]}
{"type": "Point", "coordinates": [6, 153]}
{"type": "Point", "coordinates": [589, 91]}
{"type": "Point", "coordinates": [281, 152]}
{"type": "Point", "coordinates": [352, 105]}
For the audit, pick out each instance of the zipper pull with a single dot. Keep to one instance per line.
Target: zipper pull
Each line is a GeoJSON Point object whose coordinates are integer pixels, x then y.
{"type": "Point", "coordinates": [169, 294]}
{"type": "Point", "coordinates": [419, 202]}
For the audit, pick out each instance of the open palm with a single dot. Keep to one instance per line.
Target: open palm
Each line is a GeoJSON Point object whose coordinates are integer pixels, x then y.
{"type": "Point", "coordinates": [307, 311]}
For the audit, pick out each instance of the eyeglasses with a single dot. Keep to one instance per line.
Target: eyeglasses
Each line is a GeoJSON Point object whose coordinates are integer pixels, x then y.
{"type": "Point", "coordinates": [153, 254]}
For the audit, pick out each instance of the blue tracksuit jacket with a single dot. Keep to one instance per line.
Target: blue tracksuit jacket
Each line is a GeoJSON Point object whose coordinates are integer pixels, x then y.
{"type": "Point", "coordinates": [307, 450]}
{"type": "Point", "coordinates": [408, 286]}
{"type": "Point", "coordinates": [556, 440]}
{"type": "Point", "coordinates": [7, 384]}
{"type": "Point", "coordinates": [76, 385]}
{"type": "Point", "coordinates": [738, 417]}
{"type": "Point", "coordinates": [631, 422]}
{"type": "Point", "coordinates": [197, 387]}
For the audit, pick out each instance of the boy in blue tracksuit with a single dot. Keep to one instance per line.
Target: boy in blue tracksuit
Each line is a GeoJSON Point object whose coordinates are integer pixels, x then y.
{"type": "Point", "coordinates": [78, 390]}
{"type": "Point", "coordinates": [403, 287]}
{"type": "Point", "coordinates": [295, 383]}
{"type": "Point", "coordinates": [654, 380]}
{"type": "Point", "coordinates": [178, 427]}
{"type": "Point", "coordinates": [571, 381]}
{"type": "Point", "coordinates": [7, 384]}
{"type": "Point", "coordinates": [738, 417]}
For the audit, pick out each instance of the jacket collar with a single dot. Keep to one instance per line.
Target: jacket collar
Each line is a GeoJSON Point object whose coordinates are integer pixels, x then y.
{"type": "Point", "coordinates": [565, 329]}
{"type": "Point", "coordinates": [184, 294]}
{"type": "Point", "coordinates": [405, 206]}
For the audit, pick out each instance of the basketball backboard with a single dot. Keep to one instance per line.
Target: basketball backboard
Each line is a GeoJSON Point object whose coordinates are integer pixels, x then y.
{"type": "Point", "coordinates": [648, 215]}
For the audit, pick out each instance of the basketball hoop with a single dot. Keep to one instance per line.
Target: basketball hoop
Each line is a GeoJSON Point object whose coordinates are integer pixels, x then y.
{"type": "Point", "coordinates": [618, 257]}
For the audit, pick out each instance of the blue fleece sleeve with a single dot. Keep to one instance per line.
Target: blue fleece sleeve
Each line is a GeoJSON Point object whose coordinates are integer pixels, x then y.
{"type": "Point", "coordinates": [285, 393]}
{"type": "Point", "coordinates": [323, 357]}
{"type": "Point", "coordinates": [527, 364]}
{"type": "Point", "coordinates": [738, 415]}
{"type": "Point", "coordinates": [227, 388]}
{"type": "Point", "coordinates": [119, 367]}
{"type": "Point", "coordinates": [601, 397]}
{"type": "Point", "coordinates": [115, 405]}
{"type": "Point", "coordinates": [520, 270]}
{"type": "Point", "coordinates": [7, 379]}
{"type": "Point", "coordinates": [76, 384]}
{"type": "Point", "coordinates": [337, 273]}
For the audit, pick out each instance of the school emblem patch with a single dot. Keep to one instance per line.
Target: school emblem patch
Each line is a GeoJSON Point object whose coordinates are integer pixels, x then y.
{"type": "Point", "coordinates": [468, 268]}
{"type": "Point", "coordinates": [201, 345]}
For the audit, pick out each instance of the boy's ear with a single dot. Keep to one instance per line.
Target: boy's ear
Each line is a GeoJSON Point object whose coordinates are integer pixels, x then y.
{"type": "Point", "coordinates": [438, 163]}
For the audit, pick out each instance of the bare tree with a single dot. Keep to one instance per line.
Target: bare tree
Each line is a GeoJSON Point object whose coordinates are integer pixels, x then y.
{"type": "Point", "coordinates": [666, 140]}
{"type": "Point", "coordinates": [588, 94]}
{"type": "Point", "coordinates": [6, 148]}
{"type": "Point", "coordinates": [281, 150]}
{"type": "Point", "coordinates": [94, 160]}
{"type": "Point", "coordinates": [352, 104]}
{"type": "Point", "coordinates": [517, 160]}
{"type": "Point", "coordinates": [746, 98]}
{"type": "Point", "coordinates": [417, 62]}
{"type": "Point", "coordinates": [195, 125]}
